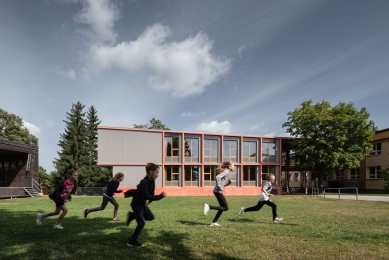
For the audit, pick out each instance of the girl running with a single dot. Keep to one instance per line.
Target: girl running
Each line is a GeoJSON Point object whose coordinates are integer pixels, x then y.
{"type": "Point", "coordinates": [222, 180]}
{"type": "Point", "coordinates": [264, 199]}
{"type": "Point", "coordinates": [60, 196]}
{"type": "Point", "coordinates": [108, 196]}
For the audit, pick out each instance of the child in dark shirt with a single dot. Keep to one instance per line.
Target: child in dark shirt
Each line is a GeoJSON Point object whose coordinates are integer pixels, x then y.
{"type": "Point", "coordinates": [145, 191]}
{"type": "Point", "coordinates": [108, 196]}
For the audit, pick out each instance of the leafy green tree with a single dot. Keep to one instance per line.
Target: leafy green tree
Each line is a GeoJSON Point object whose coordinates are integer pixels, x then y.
{"type": "Point", "coordinates": [73, 154]}
{"type": "Point", "coordinates": [44, 177]}
{"type": "Point", "coordinates": [329, 138]}
{"type": "Point", "coordinates": [12, 129]}
{"type": "Point", "coordinates": [384, 174]}
{"type": "Point", "coordinates": [154, 124]}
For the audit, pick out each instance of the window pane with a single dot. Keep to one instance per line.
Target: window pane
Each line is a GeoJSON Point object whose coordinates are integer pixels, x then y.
{"type": "Point", "coordinates": [245, 149]}
{"type": "Point", "coordinates": [207, 144]}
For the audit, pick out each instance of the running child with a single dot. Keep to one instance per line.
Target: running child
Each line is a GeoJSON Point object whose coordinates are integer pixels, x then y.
{"type": "Point", "coordinates": [222, 181]}
{"type": "Point", "coordinates": [145, 191]}
{"type": "Point", "coordinates": [264, 199]}
{"type": "Point", "coordinates": [60, 196]}
{"type": "Point", "coordinates": [112, 188]}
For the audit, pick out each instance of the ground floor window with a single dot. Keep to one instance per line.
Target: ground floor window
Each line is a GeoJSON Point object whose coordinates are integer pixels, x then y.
{"type": "Point", "coordinates": [374, 172]}
{"type": "Point", "coordinates": [354, 173]}
{"type": "Point", "coordinates": [192, 175]}
{"type": "Point", "coordinates": [249, 175]}
{"type": "Point", "coordinates": [209, 175]}
{"type": "Point", "coordinates": [172, 176]}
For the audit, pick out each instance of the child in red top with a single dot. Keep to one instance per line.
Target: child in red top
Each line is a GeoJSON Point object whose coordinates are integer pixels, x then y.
{"type": "Point", "coordinates": [60, 196]}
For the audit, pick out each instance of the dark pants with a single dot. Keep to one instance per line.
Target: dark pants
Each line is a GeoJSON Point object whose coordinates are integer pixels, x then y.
{"type": "Point", "coordinates": [141, 213]}
{"type": "Point", "coordinates": [104, 204]}
{"type": "Point", "coordinates": [223, 205]}
{"type": "Point", "coordinates": [260, 205]}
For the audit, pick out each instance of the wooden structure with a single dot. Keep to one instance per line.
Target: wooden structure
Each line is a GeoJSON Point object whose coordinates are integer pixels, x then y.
{"type": "Point", "coordinates": [18, 168]}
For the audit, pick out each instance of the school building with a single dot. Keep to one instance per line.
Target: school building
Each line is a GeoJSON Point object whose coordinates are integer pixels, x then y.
{"type": "Point", "coordinates": [188, 160]}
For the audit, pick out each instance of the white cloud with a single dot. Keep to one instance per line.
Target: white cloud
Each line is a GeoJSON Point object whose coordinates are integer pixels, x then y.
{"type": "Point", "coordinates": [181, 67]}
{"type": "Point", "coordinates": [68, 74]}
{"type": "Point", "coordinates": [101, 16]}
{"type": "Point", "coordinates": [50, 123]}
{"type": "Point", "coordinates": [284, 135]}
{"type": "Point", "coordinates": [271, 134]}
{"type": "Point", "coordinates": [254, 127]}
{"type": "Point", "coordinates": [213, 126]}
{"type": "Point", "coordinates": [189, 114]}
{"type": "Point", "coordinates": [241, 48]}
{"type": "Point", "coordinates": [32, 128]}
{"type": "Point", "coordinates": [126, 123]}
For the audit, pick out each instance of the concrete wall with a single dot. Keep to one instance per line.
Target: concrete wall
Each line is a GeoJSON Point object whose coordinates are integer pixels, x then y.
{"type": "Point", "coordinates": [118, 147]}
{"type": "Point", "coordinates": [134, 174]}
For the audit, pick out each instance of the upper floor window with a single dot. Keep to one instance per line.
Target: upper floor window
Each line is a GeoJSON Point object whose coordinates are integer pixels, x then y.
{"type": "Point", "coordinates": [354, 173]}
{"type": "Point", "coordinates": [268, 152]}
{"type": "Point", "coordinates": [376, 149]}
{"type": "Point", "coordinates": [250, 151]}
{"type": "Point", "coordinates": [191, 150]}
{"type": "Point", "coordinates": [211, 150]}
{"type": "Point", "coordinates": [374, 172]}
{"type": "Point", "coordinates": [230, 151]}
{"type": "Point", "coordinates": [172, 149]}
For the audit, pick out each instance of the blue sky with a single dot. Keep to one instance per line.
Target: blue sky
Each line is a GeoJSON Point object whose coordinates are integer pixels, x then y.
{"type": "Point", "coordinates": [222, 66]}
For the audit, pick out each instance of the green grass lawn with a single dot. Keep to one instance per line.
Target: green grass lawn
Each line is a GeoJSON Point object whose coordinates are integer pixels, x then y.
{"type": "Point", "coordinates": [313, 228]}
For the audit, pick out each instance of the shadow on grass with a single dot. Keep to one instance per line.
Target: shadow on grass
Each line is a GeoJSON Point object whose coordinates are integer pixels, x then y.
{"type": "Point", "coordinates": [240, 220]}
{"type": "Point", "coordinates": [192, 223]}
{"type": "Point", "coordinates": [91, 238]}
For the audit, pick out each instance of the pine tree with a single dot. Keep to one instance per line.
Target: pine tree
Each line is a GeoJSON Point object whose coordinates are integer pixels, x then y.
{"type": "Point", "coordinates": [94, 176]}
{"type": "Point", "coordinates": [73, 154]}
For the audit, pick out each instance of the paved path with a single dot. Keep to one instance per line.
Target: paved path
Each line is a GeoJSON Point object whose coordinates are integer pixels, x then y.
{"type": "Point", "coordinates": [360, 197]}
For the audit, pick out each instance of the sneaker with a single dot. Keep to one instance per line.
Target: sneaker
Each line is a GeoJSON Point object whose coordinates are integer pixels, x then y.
{"type": "Point", "coordinates": [39, 219]}
{"type": "Point", "coordinates": [215, 224]}
{"type": "Point", "coordinates": [116, 219]}
{"type": "Point", "coordinates": [277, 220]}
{"type": "Point", "coordinates": [130, 217]}
{"type": "Point", "coordinates": [134, 243]}
{"type": "Point", "coordinates": [85, 211]}
{"type": "Point", "coordinates": [241, 211]}
{"type": "Point", "coordinates": [206, 209]}
{"type": "Point", "coordinates": [58, 226]}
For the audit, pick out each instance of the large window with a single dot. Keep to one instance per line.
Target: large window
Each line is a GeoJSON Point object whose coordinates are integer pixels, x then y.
{"type": "Point", "coordinates": [192, 150]}
{"type": "Point", "coordinates": [230, 151]}
{"type": "Point", "coordinates": [249, 175]}
{"type": "Point", "coordinates": [172, 148]}
{"type": "Point", "coordinates": [209, 175]}
{"type": "Point", "coordinates": [354, 174]}
{"type": "Point", "coordinates": [192, 175]}
{"type": "Point", "coordinates": [374, 172]}
{"type": "Point", "coordinates": [271, 170]}
{"type": "Point", "coordinates": [376, 149]}
{"type": "Point", "coordinates": [172, 176]}
{"type": "Point", "coordinates": [269, 152]}
{"type": "Point", "coordinates": [250, 151]}
{"type": "Point", "coordinates": [234, 175]}
{"type": "Point", "coordinates": [211, 150]}
{"type": "Point", "coordinates": [339, 175]}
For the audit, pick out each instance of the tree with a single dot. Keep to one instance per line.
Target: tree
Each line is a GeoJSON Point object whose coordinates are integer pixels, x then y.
{"type": "Point", "coordinates": [154, 124]}
{"type": "Point", "coordinates": [93, 175]}
{"type": "Point", "coordinates": [329, 138]}
{"type": "Point", "coordinates": [73, 154]}
{"type": "Point", "coordinates": [12, 129]}
{"type": "Point", "coordinates": [385, 176]}
{"type": "Point", "coordinates": [44, 177]}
